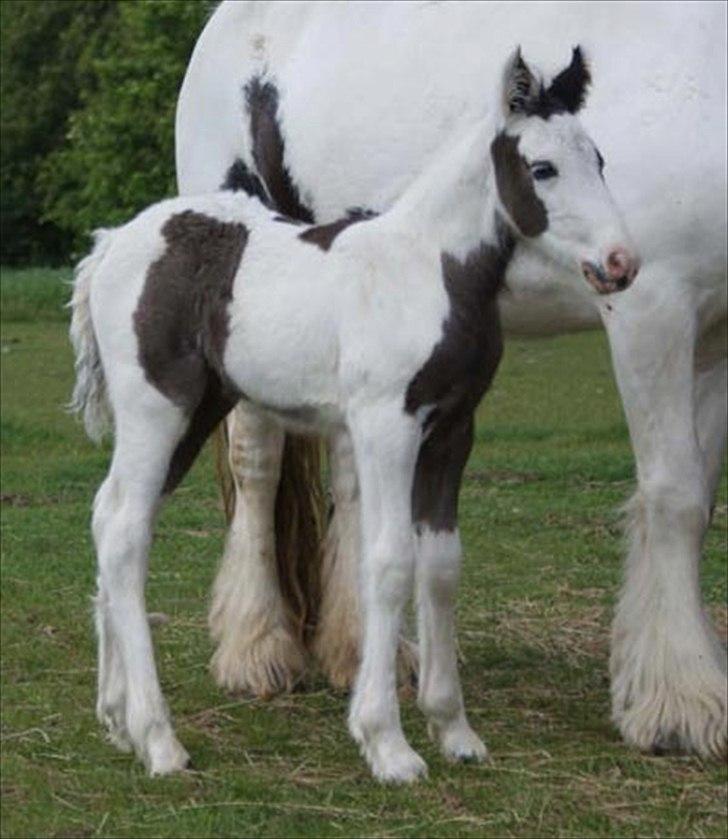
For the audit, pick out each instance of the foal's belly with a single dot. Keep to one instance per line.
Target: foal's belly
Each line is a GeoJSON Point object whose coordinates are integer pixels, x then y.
{"type": "Point", "coordinates": [287, 377]}
{"type": "Point", "coordinates": [284, 357]}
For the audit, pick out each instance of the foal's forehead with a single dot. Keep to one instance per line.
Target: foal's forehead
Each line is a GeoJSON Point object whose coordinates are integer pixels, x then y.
{"type": "Point", "coordinates": [561, 135]}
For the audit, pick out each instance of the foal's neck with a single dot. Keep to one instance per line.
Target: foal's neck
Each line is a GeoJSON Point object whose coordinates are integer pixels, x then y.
{"type": "Point", "coordinates": [452, 204]}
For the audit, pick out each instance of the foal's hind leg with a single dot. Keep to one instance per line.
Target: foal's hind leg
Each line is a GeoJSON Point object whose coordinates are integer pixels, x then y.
{"type": "Point", "coordinates": [668, 668]}
{"type": "Point", "coordinates": [130, 700]}
{"type": "Point", "coordinates": [111, 676]}
{"type": "Point", "coordinates": [257, 648]}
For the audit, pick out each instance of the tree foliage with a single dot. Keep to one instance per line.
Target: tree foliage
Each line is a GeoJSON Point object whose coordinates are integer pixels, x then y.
{"type": "Point", "coordinates": [45, 52]}
{"type": "Point", "coordinates": [90, 95]}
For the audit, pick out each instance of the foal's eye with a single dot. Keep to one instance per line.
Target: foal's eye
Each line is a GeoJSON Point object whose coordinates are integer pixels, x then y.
{"type": "Point", "coordinates": [600, 161]}
{"type": "Point", "coordinates": [542, 170]}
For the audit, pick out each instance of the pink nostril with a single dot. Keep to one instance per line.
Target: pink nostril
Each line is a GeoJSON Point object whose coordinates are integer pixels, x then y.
{"type": "Point", "coordinates": [622, 265]}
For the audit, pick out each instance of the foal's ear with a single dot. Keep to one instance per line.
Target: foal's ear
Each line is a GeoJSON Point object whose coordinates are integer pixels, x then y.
{"type": "Point", "coordinates": [569, 87]}
{"type": "Point", "coordinates": [520, 86]}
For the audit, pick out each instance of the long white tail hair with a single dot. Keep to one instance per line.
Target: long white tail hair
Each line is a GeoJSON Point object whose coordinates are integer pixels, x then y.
{"type": "Point", "coordinates": [89, 397]}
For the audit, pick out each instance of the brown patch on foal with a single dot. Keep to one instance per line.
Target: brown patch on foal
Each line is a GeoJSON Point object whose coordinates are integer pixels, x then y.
{"type": "Point", "coordinates": [181, 323]}
{"type": "Point", "coordinates": [323, 235]}
{"type": "Point", "coordinates": [515, 186]}
{"type": "Point", "coordinates": [453, 380]}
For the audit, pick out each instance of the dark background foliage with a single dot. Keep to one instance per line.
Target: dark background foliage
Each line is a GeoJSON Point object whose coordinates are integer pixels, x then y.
{"type": "Point", "coordinates": [89, 89]}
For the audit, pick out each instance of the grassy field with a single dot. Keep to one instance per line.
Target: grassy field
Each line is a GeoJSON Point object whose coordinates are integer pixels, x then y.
{"type": "Point", "coordinates": [542, 542]}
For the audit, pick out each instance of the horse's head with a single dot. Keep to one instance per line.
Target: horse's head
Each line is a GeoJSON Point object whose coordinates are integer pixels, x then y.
{"type": "Point", "coordinates": [549, 176]}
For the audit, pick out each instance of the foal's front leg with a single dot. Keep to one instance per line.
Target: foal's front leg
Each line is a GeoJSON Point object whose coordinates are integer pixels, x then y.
{"type": "Point", "coordinates": [435, 493]}
{"type": "Point", "coordinates": [385, 445]}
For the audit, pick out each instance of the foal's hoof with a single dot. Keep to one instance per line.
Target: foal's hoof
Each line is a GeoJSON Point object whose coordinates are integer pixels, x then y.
{"type": "Point", "coordinates": [391, 759]}
{"type": "Point", "coordinates": [165, 756]}
{"type": "Point", "coordinates": [403, 766]}
{"type": "Point", "coordinates": [462, 745]}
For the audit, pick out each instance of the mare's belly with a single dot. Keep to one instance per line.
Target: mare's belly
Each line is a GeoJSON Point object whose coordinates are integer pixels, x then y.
{"type": "Point", "coordinates": [539, 299]}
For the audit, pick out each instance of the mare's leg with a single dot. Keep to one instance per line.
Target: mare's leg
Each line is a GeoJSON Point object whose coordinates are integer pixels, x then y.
{"type": "Point", "coordinates": [385, 447]}
{"type": "Point", "coordinates": [257, 648]}
{"type": "Point", "coordinates": [438, 476]}
{"type": "Point", "coordinates": [130, 701]}
{"type": "Point", "coordinates": [668, 668]}
{"type": "Point", "coordinates": [337, 641]}
{"type": "Point", "coordinates": [711, 398]}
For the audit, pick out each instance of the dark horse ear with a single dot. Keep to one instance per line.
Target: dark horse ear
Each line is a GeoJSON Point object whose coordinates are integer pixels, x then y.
{"type": "Point", "coordinates": [569, 87]}
{"type": "Point", "coordinates": [520, 86]}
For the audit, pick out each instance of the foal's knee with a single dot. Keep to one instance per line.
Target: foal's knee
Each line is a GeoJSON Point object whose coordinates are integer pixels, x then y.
{"type": "Point", "coordinates": [390, 568]}
{"type": "Point", "coordinates": [438, 564]}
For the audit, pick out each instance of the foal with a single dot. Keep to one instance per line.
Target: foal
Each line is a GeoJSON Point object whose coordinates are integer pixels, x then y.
{"type": "Point", "coordinates": [381, 332]}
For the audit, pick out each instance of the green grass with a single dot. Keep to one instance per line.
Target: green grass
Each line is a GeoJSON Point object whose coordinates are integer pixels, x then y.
{"type": "Point", "coordinates": [543, 552]}
{"type": "Point", "coordinates": [29, 294]}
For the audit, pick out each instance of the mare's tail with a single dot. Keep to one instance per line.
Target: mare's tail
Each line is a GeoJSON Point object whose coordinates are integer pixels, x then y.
{"type": "Point", "coordinates": [89, 393]}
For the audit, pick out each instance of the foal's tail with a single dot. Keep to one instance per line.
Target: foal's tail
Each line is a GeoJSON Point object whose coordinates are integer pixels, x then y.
{"type": "Point", "coordinates": [89, 393]}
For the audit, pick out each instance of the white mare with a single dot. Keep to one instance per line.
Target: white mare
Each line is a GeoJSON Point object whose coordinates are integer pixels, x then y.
{"type": "Point", "coordinates": [367, 93]}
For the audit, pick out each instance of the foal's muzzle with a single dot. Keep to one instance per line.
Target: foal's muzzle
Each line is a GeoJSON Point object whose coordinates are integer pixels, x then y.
{"type": "Point", "coordinates": [619, 270]}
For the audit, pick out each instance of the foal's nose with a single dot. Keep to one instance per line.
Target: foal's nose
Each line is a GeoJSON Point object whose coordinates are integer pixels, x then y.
{"type": "Point", "coordinates": [622, 267]}
{"type": "Point", "coordinates": [613, 273]}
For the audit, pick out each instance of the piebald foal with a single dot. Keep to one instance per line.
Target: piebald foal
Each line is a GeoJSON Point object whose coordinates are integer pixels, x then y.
{"type": "Point", "coordinates": [382, 332]}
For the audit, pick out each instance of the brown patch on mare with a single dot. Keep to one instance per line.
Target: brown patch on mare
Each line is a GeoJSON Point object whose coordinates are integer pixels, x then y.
{"type": "Point", "coordinates": [269, 149]}
{"type": "Point", "coordinates": [515, 186]}
{"type": "Point", "coordinates": [300, 504]}
{"type": "Point", "coordinates": [181, 322]}
{"type": "Point", "coordinates": [239, 178]}
{"type": "Point", "coordinates": [454, 378]}
{"type": "Point", "coordinates": [360, 213]}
